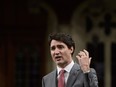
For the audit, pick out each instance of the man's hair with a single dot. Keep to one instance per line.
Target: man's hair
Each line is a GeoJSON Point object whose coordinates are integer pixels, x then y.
{"type": "Point", "coordinates": [65, 38]}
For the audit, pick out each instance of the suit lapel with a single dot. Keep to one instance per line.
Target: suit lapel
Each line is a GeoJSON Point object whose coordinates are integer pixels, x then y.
{"type": "Point", "coordinates": [54, 79]}
{"type": "Point", "coordinates": [73, 75]}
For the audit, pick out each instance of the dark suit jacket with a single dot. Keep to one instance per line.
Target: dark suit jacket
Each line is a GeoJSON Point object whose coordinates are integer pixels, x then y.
{"type": "Point", "coordinates": [76, 78]}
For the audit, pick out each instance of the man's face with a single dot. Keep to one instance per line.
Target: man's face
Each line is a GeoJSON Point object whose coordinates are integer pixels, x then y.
{"type": "Point", "coordinates": [60, 53]}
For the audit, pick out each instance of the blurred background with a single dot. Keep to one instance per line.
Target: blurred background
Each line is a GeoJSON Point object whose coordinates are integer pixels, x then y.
{"type": "Point", "coordinates": [26, 24]}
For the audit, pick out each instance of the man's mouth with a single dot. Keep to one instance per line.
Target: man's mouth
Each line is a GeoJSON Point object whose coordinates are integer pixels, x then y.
{"type": "Point", "coordinates": [58, 58]}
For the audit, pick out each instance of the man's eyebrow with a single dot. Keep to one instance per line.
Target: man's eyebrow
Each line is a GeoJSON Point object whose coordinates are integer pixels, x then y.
{"type": "Point", "coordinates": [60, 45]}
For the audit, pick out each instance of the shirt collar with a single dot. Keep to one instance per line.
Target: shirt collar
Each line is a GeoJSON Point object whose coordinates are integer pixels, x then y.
{"type": "Point", "coordinates": [67, 68]}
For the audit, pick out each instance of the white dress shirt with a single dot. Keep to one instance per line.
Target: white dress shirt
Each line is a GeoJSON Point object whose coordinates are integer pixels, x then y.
{"type": "Point", "coordinates": [67, 69]}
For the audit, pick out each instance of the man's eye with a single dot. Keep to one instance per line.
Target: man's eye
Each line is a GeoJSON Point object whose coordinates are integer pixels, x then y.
{"type": "Point", "coordinates": [60, 46]}
{"type": "Point", "coordinates": [52, 48]}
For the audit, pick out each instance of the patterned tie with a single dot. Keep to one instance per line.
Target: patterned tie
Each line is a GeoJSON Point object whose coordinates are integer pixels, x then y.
{"type": "Point", "coordinates": [61, 80]}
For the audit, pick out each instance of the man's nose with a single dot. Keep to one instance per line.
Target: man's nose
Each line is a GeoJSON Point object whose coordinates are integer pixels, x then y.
{"type": "Point", "coordinates": [57, 51]}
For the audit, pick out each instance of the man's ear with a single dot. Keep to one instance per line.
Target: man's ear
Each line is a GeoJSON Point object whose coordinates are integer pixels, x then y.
{"type": "Point", "coordinates": [72, 49]}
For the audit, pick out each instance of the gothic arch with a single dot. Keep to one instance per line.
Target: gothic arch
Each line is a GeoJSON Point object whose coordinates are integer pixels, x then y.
{"type": "Point", "coordinates": [96, 13]}
{"type": "Point", "coordinates": [52, 27]}
{"type": "Point", "coordinates": [52, 18]}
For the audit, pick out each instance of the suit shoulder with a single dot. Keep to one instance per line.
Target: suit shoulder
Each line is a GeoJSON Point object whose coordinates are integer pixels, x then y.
{"type": "Point", "coordinates": [50, 74]}
{"type": "Point", "coordinates": [93, 70]}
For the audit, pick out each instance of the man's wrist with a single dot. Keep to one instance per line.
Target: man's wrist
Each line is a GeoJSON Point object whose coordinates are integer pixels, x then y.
{"type": "Point", "coordinates": [87, 71]}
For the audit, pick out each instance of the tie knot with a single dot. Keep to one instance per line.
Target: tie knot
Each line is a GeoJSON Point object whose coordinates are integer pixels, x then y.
{"type": "Point", "coordinates": [62, 71]}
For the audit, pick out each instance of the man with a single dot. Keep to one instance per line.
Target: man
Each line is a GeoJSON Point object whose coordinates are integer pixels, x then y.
{"type": "Point", "coordinates": [62, 48]}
